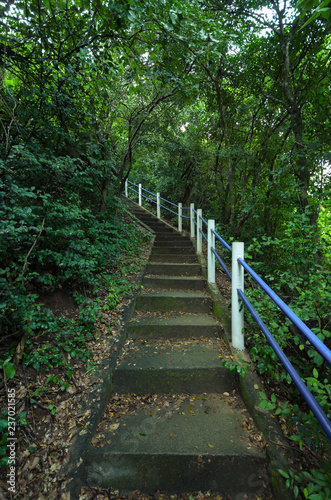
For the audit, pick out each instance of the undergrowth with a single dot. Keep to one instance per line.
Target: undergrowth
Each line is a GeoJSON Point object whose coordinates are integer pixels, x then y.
{"type": "Point", "coordinates": [56, 237]}
{"type": "Point", "coordinates": [304, 283]}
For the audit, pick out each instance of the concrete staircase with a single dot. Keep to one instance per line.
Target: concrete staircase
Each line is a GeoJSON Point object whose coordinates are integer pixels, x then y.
{"type": "Point", "coordinates": [194, 437]}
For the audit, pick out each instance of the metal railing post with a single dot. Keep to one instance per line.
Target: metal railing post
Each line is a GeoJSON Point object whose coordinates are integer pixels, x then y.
{"type": "Point", "coordinates": [199, 227]}
{"type": "Point", "coordinates": [158, 208]}
{"type": "Point", "coordinates": [126, 188]}
{"type": "Point", "coordinates": [237, 323]}
{"type": "Point", "coordinates": [192, 219]}
{"type": "Point", "coordinates": [210, 253]}
{"type": "Point", "coordinates": [139, 188]}
{"type": "Point", "coordinates": [180, 217]}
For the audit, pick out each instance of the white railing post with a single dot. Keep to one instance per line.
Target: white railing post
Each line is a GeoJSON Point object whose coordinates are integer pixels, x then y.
{"type": "Point", "coordinates": [158, 208]}
{"type": "Point", "coordinates": [192, 219]}
{"type": "Point", "coordinates": [126, 188]}
{"type": "Point", "coordinates": [180, 217]}
{"type": "Point", "coordinates": [139, 194]}
{"type": "Point", "coordinates": [237, 324]}
{"type": "Point", "coordinates": [210, 253]}
{"type": "Point", "coordinates": [199, 227]}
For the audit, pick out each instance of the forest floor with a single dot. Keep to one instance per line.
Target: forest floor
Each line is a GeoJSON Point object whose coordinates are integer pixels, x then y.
{"type": "Point", "coordinates": [54, 416]}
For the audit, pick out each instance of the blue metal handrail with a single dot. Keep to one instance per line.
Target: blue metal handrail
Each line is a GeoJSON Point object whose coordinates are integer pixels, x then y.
{"type": "Point", "coordinates": [224, 243]}
{"type": "Point", "coordinates": [203, 220]}
{"type": "Point", "coordinates": [149, 199]}
{"type": "Point", "coordinates": [227, 272]}
{"type": "Point", "coordinates": [311, 401]}
{"type": "Point", "coordinates": [168, 209]}
{"type": "Point", "coordinates": [313, 339]}
{"type": "Point", "coordinates": [146, 197]}
{"type": "Point", "coordinates": [170, 202]}
{"type": "Point", "coordinates": [203, 235]}
{"type": "Point", "coordinates": [148, 191]}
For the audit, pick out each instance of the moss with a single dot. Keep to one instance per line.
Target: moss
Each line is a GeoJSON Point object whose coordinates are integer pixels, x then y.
{"type": "Point", "coordinates": [220, 313]}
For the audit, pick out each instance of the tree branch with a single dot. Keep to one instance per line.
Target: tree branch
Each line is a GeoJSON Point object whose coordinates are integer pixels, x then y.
{"type": "Point", "coordinates": [33, 245]}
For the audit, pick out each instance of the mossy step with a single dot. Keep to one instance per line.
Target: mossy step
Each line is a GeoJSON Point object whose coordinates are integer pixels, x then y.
{"type": "Point", "coordinates": [173, 258]}
{"type": "Point", "coordinates": [144, 215]}
{"type": "Point", "coordinates": [159, 229]}
{"type": "Point", "coordinates": [174, 269]}
{"type": "Point", "coordinates": [174, 327]}
{"type": "Point", "coordinates": [156, 226]}
{"type": "Point", "coordinates": [174, 301]}
{"type": "Point", "coordinates": [195, 445]}
{"type": "Point", "coordinates": [178, 368]}
{"type": "Point", "coordinates": [171, 250]}
{"type": "Point", "coordinates": [174, 283]}
{"type": "Point", "coordinates": [169, 243]}
{"type": "Point", "coordinates": [171, 236]}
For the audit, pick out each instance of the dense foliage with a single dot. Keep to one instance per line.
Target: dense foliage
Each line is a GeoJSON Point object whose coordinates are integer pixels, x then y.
{"type": "Point", "coordinates": [224, 104]}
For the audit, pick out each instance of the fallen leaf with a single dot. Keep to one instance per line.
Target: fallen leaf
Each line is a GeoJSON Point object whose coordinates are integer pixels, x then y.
{"type": "Point", "coordinates": [94, 441]}
{"type": "Point", "coordinates": [113, 427]}
{"type": "Point", "coordinates": [34, 462]}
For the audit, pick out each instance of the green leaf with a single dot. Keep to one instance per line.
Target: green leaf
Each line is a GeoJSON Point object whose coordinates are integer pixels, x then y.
{"type": "Point", "coordinates": [3, 424]}
{"type": "Point", "coordinates": [9, 369]}
{"type": "Point", "coordinates": [283, 473]}
{"type": "Point", "coordinates": [318, 360]}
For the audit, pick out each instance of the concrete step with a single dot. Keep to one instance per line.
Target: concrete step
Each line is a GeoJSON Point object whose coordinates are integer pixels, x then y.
{"type": "Point", "coordinates": [160, 229]}
{"type": "Point", "coordinates": [179, 258]}
{"type": "Point", "coordinates": [174, 269]}
{"type": "Point", "coordinates": [162, 301]}
{"type": "Point", "coordinates": [197, 444]}
{"type": "Point", "coordinates": [174, 283]}
{"type": "Point", "coordinates": [149, 221]}
{"type": "Point", "coordinates": [173, 243]}
{"type": "Point", "coordinates": [183, 367]}
{"type": "Point", "coordinates": [174, 327]}
{"type": "Point", "coordinates": [171, 250]}
{"type": "Point", "coordinates": [155, 223]}
{"type": "Point", "coordinates": [142, 214]}
{"type": "Point", "coordinates": [163, 236]}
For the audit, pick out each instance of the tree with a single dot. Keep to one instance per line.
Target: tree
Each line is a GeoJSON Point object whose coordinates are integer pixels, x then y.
{"type": "Point", "coordinates": [289, 82]}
